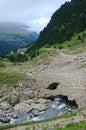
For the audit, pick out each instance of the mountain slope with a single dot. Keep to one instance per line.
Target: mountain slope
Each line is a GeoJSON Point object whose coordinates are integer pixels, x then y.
{"type": "Point", "coordinates": [68, 20]}
{"type": "Point", "coordinates": [15, 35]}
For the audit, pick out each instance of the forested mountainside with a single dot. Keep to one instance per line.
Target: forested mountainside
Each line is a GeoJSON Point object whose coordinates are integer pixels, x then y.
{"type": "Point", "coordinates": [15, 35]}
{"type": "Point", "coordinates": [68, 20]}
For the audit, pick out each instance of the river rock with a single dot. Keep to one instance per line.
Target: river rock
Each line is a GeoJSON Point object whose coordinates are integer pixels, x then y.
{"type": "Point", "coordinates": [40, 107]}
{"type": "Point", "coordinates": [5, 120]}
{"type": "Point", "coordinates": [1, 113]}
{"type": "Point", "coordinates": [1, 94]}
{"type": "Point", "coordinates": [5, 106]}
{"type": "Point", "coordinates": [29, 117]}
{"type": "Point", "coordinates": [29, 94]}
{"type": "Point", "coordinates": [43, 101]}
{"type": "Point", "coordinates": [35, 112]}
{"type": "Point", "coordinates": [22, 107]}
{"type": "Point", "coordinates": [14, 116]}
{"type": "Point", "coordinates": [14, 99]}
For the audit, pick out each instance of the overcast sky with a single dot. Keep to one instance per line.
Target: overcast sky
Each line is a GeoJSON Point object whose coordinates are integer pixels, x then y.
{"type": "Point", "coordinates": [35, 13]}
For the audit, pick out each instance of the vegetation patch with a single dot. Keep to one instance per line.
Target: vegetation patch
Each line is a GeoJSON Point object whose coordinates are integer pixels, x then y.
{"type": "Point", "coordinates": [2, 64]}
{"type": "Point", "coordinates": [74, 126]}
{"type": "Point", "coordinates": [76, 39]}
{"type": "Point", "coordinates": [17, 57]}
{"type": "Point", "coordinates": [9, 76]}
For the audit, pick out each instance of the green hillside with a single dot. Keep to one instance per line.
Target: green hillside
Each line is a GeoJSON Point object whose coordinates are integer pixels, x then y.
{"type": "Point", "coordinates": [69, 20]}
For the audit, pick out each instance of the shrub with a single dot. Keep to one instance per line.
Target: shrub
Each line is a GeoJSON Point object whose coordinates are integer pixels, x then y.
{"type": "Point", "coordinates": [60, 46]}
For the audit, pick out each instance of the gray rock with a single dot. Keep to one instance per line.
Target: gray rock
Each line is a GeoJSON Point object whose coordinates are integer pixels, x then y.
{"type": "Point", "coordinates": [29, 117]}
{"type": "Point", "coordinates": [14, 99]}
{"type": "Point", "coordinates": [35, 112]}
{"type": "Point", "coordinates": [5, 120]}
{"type": "Point", "coordinates": [1, 94]}
{"type": "Point", "coordinates": [1, 113]}
{"type": "Point", "coordinates": [14, 116]}
{"type": "Point", "coordinates": [5, 106]}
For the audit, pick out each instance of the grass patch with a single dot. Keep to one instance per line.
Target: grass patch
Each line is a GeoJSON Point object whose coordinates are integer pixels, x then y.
{"type": "Point", "coordinates": [45, 128]}
{"type": "Point", "coordinates": [10, 76]}
{"type": "Point", "coordinates": [27, 129]}
{"type": "Point", "coordinates": [74, 126]}
{"type": "Point", "coordinates": [2, 64]}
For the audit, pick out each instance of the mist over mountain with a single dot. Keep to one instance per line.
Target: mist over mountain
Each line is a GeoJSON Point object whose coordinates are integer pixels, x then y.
{"type": "Point", "coordinates": [15, 35]}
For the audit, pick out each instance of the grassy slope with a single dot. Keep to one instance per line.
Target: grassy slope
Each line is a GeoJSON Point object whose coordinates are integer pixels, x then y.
{"type": "Point", "coordinates": [46, 53]}
{"type": "Point", "coordinates": [76, 40]}
{"type": "Point", "coordinates": [9, 74]}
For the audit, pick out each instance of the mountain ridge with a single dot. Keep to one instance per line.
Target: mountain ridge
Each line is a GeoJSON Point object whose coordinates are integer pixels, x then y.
{"type": "Point", "coordinates": [68, 20]}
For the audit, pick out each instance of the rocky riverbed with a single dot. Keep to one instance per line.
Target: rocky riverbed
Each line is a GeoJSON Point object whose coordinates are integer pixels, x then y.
{"type": "Point", "coordinates": [36, 111]}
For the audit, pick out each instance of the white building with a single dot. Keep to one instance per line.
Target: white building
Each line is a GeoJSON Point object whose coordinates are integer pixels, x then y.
{"type": "Point", "coordinates": [21, 50]}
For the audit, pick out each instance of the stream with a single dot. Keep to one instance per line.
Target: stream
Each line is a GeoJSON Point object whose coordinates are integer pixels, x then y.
{"type": "Point", "coordinates": [54, 108]}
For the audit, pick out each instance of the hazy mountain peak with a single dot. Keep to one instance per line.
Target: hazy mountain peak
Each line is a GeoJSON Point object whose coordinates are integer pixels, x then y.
{"type": "Point", "coordinates": [14, 27]}
{"type": "Point", "coordinates": [14, 35]}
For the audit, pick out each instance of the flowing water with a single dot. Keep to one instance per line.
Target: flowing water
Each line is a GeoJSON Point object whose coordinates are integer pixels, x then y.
{"type": "Point", "coordinates": [55, 108]}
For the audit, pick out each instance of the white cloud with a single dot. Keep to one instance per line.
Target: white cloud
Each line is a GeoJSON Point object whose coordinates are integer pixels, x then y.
{"type": "Point", "coordinates": [41, 21]}
{"type": "Point", "coordinates": [36, 13]}
{"type": "Point", "coordinates": [38, 24]}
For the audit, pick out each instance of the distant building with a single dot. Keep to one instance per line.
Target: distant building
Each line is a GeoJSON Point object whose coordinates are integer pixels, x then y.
{"type": "Point", "coordinates": [11, 52]}
{"type": "Point", "coordinates": [21, 50]}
